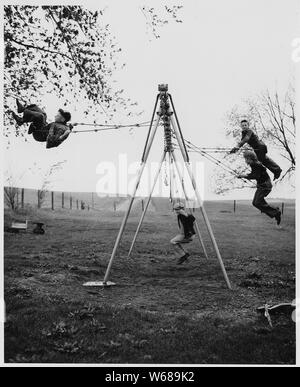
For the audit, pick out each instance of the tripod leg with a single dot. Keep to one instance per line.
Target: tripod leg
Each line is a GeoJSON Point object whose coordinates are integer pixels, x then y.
{"type": "Point", "coordinates": [150, 128]}
{"type": "Point", "coordinates": [147, 204]}
{"type": "Point", "coordinates": [105, 282]}
{"type": "Point", "coordinates": [205, 217]}
{"type": "Point", "coordinates": [186, 198]}
{"type": "Point", "coordinates": [179, 135]}
{"type": "Point", "coordinates": [150, 140]}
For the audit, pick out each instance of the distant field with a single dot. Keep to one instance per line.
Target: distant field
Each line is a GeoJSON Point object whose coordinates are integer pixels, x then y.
{"type": "Point", "coordinates": [110, 203]}
{"type": "Point", "coordinates": [158, 312]}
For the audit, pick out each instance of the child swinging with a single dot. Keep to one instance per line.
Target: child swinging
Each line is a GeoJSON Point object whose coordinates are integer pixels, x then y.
{"type": "Point", "coordinates": [264, 186]}
{"type": "Point", "coordinates": [187, 232]}
{"type": "Point", "coordinates": [259, 147]}
{"type": "Point", "coordinates": [54, 133]}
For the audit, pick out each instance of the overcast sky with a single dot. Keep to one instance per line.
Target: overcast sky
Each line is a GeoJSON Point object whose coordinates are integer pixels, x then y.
{"type": "Point", "coordinates": [223, 51]}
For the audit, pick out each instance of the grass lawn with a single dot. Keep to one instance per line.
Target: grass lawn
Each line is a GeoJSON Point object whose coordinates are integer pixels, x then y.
{"type": "Point", "coordinates": [159, 312]}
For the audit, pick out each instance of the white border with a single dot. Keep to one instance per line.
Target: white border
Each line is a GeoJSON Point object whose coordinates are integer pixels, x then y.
{"type": "Point", "coordinates": [62, 2]}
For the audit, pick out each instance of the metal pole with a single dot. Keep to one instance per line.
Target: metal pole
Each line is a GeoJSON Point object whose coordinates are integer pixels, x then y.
{"type": "Point", "coordinates": [150, 141]}
{"type": "Point", "coordinates": [150, 127]}
{"type": "Point", "coordinates": [171, 171]}
{"type": "Point", "coordinates": [52, 200]}
{"type": "Point", "coordinates": [147, 204]}
{"type": "Point", "coordinates": [179, 135]}
{"type": "Point", "coordinates": [119, 237]}
{"type": "Point", "coordinates": [282, 208]}
{"type": "Point", "coordinates": [210, 231]}
{"type": "Point", "coordinates": [186, 198]}
{"type": "Point", "coordinates": [62, 200]}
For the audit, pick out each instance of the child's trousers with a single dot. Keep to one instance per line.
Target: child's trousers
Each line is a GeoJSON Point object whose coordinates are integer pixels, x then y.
{"type": "Point", "coordinates": [37, 117]}
{"type": "Point", "coordinates": [178, 240]}
{"type": "Point", "coordinates": [270, 164]}
{"type": "Point", "coordinates": [260, 203]}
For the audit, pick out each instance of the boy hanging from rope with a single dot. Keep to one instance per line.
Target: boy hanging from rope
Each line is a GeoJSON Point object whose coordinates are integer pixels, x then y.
{"type": "Point", "coordinates": [264, 186]}
{"type": "Point", "coordinates": [259, 147]}
{"type": "Point", "coordinates": [54, 133]}
{"type": "Point", "coordinates": [187, 232]}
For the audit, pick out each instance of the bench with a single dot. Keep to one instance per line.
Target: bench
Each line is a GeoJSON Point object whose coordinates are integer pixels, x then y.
{"type": "Point", "coordinates": [19, 225]}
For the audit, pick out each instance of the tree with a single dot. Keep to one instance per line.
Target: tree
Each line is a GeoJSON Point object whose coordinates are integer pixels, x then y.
{"type": "Point", "coordinates": [46, 183]}
{"type": "Point", "coordinates": [274, 120]}
{"type": "Point", "coordinates": [11, 197]}
{"type": "Point", "coordinates": [64, 49]}
{"type": "Point", "coordinates": [68, 51]}
{"type": "Point", "coordinates": [155, 19]}
{"type": "Point", "coordinates": [11, 192]}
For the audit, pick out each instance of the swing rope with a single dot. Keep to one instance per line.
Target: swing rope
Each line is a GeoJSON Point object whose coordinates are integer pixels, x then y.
{"type": "Point", "coordinates": [220, 164]}
{"type": "Point", "coordinates": [103, 127]}
{"type": "Point", "coordinates": [203, 151]}
{"type": "Point", "coordinates": [216, 161]}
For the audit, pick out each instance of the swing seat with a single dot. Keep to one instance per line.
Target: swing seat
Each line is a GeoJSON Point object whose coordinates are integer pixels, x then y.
{"type": "Point", "coordinates": [18, 225]}
{"type": "Point", "coordinates": [102, 284]}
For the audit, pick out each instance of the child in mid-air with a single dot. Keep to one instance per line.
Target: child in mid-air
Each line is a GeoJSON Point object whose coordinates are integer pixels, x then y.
{"type": "Point", "coordinates": [54, 133]}
{"type": "Point", "coordinates": [259, 147]}
{"type": "Point", "coordinates": [187, 232]}
{"type": "Point", "coordinates": [264, 186]}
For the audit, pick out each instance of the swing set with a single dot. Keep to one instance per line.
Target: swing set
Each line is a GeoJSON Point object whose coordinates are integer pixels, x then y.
{"type": "Point", "coordinates": [164, 113]}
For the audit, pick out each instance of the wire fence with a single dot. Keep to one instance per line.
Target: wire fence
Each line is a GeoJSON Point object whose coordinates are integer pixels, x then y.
{"type": "Point", "coordinates": [22, 198]}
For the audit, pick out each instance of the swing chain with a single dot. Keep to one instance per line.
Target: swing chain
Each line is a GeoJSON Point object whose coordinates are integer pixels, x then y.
{"type": "Point", "coordinates": [165, 116]}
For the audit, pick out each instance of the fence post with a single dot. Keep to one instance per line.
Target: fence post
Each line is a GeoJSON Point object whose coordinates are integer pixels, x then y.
{"type": "Point", "coordinates": [22, 198]}
{"type": "Point", "coordinates": [234, 206]}
{"type": "Point", "coordinates": [52, 200]}
{"type": "Point", "coordinates": [17, 197]}
{"type": "Point", "coordinates": [282, 208]}
{"type": "Point", "coordinates": [38, 197]}
{"type": "Point", "coordinates": [142, 205]}
{"type": "Point", "coordinates": [115, 208]}
{"type": "Point", "coordinates": [62, 200]}
{"type": "Point", "coordinates": [71, 203]}
{"type": "Point", "coordinates": [77, 204]}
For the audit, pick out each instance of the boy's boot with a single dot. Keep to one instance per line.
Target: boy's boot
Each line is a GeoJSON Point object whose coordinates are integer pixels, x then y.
{"type": "Point", "coordinates": [278, 217]}
{"type": "Point", "coordinates": [183, 258]}
{"type": "Point", "coordinates": [20, 106]}
{"type": "Point", "coordinates": [18, 119]}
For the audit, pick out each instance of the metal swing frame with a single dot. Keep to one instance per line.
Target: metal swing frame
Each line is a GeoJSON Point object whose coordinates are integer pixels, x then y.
{"type": "Point", "coordinates": [166, 114]}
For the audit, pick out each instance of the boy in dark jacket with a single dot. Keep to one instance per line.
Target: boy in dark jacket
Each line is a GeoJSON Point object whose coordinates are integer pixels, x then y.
{"type": "Point", "coordinates": [187, 232]}
{"type": "Point", "coordinates": [259, 147]}
{"type": "Point", "coordinates": [264, 186]}
{"type": "Point", "coordinates": [54, 133]}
